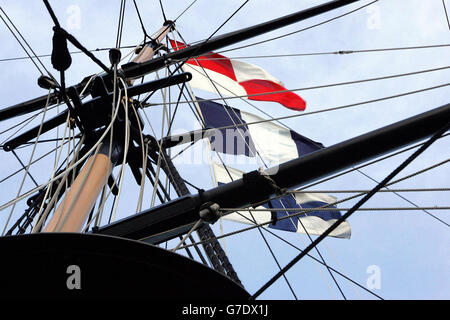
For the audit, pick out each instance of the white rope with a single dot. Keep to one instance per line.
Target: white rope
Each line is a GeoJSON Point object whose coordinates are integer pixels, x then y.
{"type": "Point", "coordinates": [195, 226]}
{"type": "Point", "coordinates": [40, 218]}
{"type": "Point", "coordinates": [19, 198]}
{"type": "Point", "coordinates": [29, 162]}
{"type": "Point", "coordinates": [55, 168]}
{"type": "Point", "coordinates": [125, 153]}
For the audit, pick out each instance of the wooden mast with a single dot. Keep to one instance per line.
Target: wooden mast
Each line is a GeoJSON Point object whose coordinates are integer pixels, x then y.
{"type": "Point", "coordinates": [71, 214]}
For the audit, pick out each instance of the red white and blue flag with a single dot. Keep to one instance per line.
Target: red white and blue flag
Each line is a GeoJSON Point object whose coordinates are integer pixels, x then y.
{"type": "Point", "coordinates": [218, 74]}
{"type": "Point", "coordinates": [271, 141]}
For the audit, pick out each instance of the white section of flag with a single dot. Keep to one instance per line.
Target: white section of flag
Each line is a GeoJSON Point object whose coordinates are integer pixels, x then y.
{"type": "Point", "coordinates": [208, 80]}
{"type": "Point", "coordinates": [273, 142]}
{"type": "Point", "coordinates": [245, 71]}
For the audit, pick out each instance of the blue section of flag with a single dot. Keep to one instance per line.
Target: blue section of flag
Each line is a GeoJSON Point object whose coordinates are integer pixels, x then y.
{"type": "Point", "coordinates": [216, 116]}
{"type": "Point", "coordinates": [289, 202]}
{"type": "Point", "coordinates": [292, 223]}
{"type": "Point", "coordinates": [305, 145]}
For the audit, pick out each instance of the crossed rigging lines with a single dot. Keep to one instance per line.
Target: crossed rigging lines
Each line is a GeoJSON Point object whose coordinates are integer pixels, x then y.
{"type": "Point", "coordinates": [194, 2]}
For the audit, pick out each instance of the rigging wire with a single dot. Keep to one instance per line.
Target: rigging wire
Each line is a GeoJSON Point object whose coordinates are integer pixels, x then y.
{"type": "Point", "coordinates": [354, 208]}
{"type": "Point", "coordinates": [324, 110]}
{"type": "Point", "coordinates": [25, 168]}
{"type": "Point", "coordinates": [407, 200]}
{"type": "Point", "coordinates": [20, 43]}
{"type": "Point", "coordinates": [301, 30]}
{"type": "Point", "coordinates": [331, 204]}
{"type": "Point", "coordinates": [29, 163]}
{"type": "Point", "coordinates": [258, 155]}
{"type": "Point", "coordinates": [344, 106]}
{"type": "Point", "coordinates": [328, 266]}
{"type": "Point", "coordinates": [387, 190]}
{"type": "Point", "coordinates": [192, 3]}
{"type": "Point", "coordinates": [140, 21]}
{"type": "Point", "coordinates": [306, 210]}
{"type": "Point", "coordinates": [120, 23]}
{"type": "Point", "coordinates": [33, 162]}
{"type": "Point", "coordinates": [205, 74]}
{"type": "Point", "coordinates": [343, 83]}
{"type": "Point", "coordinates": [339, 52]}
{"type": "Point", "coordinates": [162, 10]}
{"type": "Point", "coordinates": [446, 14]}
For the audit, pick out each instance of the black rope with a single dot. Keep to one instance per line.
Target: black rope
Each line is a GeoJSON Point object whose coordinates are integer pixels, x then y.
{"type": "Point", "coordinates": [27, 171]}
{"type": "Point", "coordinates": [140, 21]}
{"type": "Point", "coordinates": [192, 3]}
{"type": "Point", "coordinates": [352, 210]}
{"type": "Point", "coordinates": [176, 108]}
{"type": "Point", "coordinates": [446, 13]}
{"type": "Point", "coordinates": [322, 263]}
{"type": "Point", "coordinates": [162, 10]}
{"type": "Point", "coordinates": [301, 30]}
{"type": "Point", "coordinates": [120, 23]}
{"type": "Point", "coordinates": [52, 14]}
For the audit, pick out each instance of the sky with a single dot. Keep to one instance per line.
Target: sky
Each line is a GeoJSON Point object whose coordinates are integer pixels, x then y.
{"type": "Point", "coordinates": [397, 254]}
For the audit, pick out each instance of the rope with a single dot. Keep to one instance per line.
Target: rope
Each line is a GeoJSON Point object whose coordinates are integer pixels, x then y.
{"type": "Point", "coordinates": [316, 87]}
{"type": "Point", "coordinates": [403, 165]}
{"type": "Point", "coordinates": [364, 191]}
{"type": "Point", "coordinates": [338, 52]}
{"type": "Point", "coordinates": [446, 14]}
{"type": "Point", "coordinates": [306, 210]}
{"type": "Point", "coordinates": [28, 166]}
{"type": "Point", "coordinates": [192, 3]}
{"type": "Point", "coordinates": [319, 208]}
{"type": "Point", "coordinates": [301, 30]}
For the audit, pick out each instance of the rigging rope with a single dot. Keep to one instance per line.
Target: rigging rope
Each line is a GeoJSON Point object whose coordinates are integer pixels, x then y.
{"type": "Point", "coordinates": [316, 87]}
{"type": "Point", "coordinates": [353, 209]}
{"type": "Point", "coordinates": [301, 30]}
{"type": "Point", "coordinates": [334, 203]}
{"type": "Point", "coordinates": [339, 52]}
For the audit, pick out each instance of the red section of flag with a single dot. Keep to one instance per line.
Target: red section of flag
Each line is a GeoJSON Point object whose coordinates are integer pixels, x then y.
{"type": "Point", "coordinates": [215, 62]}
{"type": "Point", "coordinates": [288, 99]}
{"type": "Point", "coordinates": [222, 65]}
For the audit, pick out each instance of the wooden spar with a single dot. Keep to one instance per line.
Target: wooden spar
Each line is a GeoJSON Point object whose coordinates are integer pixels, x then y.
{"type": "Point", "coordinates": [78, 202]}
{"type": "Point", "coordinates": [148, 51]}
